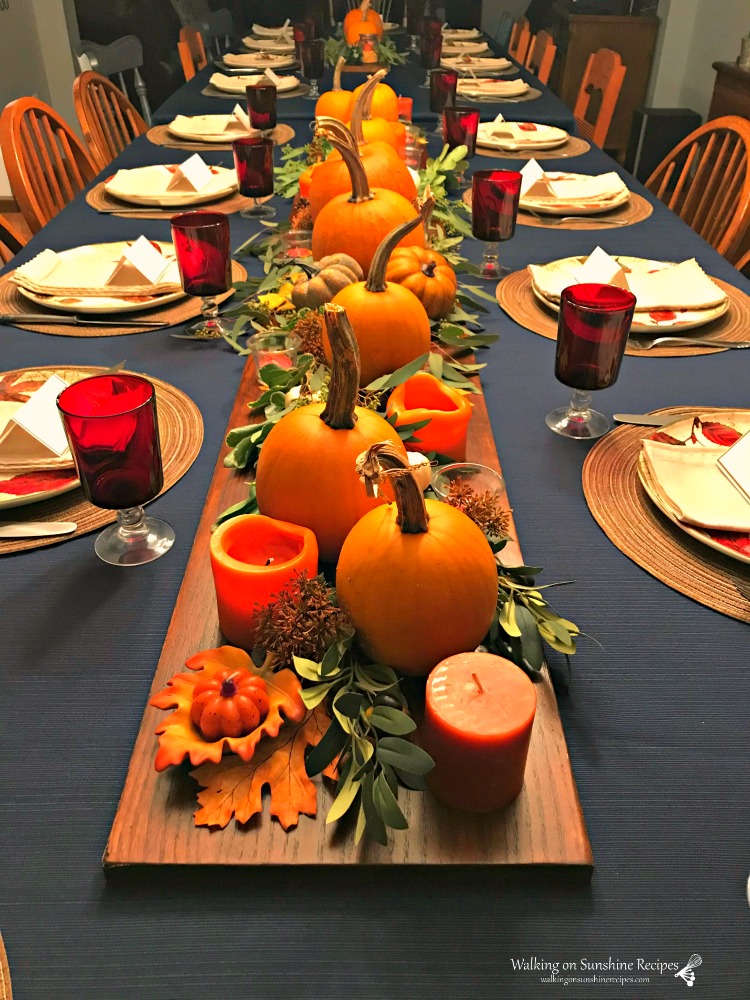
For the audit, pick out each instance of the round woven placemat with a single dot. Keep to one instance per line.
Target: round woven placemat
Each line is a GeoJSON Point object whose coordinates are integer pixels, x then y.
{"type": "Point", "coordinates": [530, 95]}
{"type": "Point", "coordinates": [210, 91]}
{"type": "Point", "coordinates": [181, 436]}
{"type": "Point", "coordinates": [636, 527]}
{"type": "Point", "coordinates": [161, 136]}
{"type": "Point", "coordinates": [515, 295]}
{"type": "Point", "coordinates": [6, 991]}
{"type": "Point", "coordinates": [11, 301]}
{"type": "Point", "coordinates": [102, 201]}
{"type": "Point", "coordinates": [573, 147]}
{"type": "Point", "coordinates": [636, 210]}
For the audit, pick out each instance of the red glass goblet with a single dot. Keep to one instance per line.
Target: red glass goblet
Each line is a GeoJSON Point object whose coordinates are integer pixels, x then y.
{"type": "Point", "coordinates": [313, 66]}
{"type": "Point", "coordinates": [253, 161]}
{"type": "Point", "coordinates": [430, 49]}
{"type": "Point", "coordinates": [261, 106]}
{"type": "Point", "coordinates": [303, 31]}
{"type": "Point", "coordinates": [443, 83]}
{"type": "Point", "coordinates": [592, 332]}
{"type": "Point", "coordinates": [201, 242]}
{"type": "Point", "coordinates": [113, 432]}
{"type": "Point", "coordinates": [460, 126]}
{"type": "Point", "coordinates": [414, 15]}
{"type": "Point", "coordinates": [494, 207]}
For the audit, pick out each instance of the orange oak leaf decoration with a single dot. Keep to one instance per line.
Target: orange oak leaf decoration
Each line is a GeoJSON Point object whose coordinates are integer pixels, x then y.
{"type": "Point", "coordinates": [235, 787]}
{"type": "Point", "coordinates": [179, 738]}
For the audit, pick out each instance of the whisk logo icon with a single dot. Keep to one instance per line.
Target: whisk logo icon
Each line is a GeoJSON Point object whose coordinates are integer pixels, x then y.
{"type": "Point", "coordinates": [687, 973]}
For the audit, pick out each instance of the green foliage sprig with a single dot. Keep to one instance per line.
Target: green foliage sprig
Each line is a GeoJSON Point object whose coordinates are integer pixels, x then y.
{"type": "Point", "coordinates": [385, 50]}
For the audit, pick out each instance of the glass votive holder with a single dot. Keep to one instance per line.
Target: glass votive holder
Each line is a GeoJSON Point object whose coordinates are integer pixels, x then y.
{"type": "Point", "coordinates": [405, 109]}
{"type": "Point", "coordinates": [274, 348]}
{"type": "Point", "coordinates": [296, 243]}
{"type": "Point", "coordinates": [368, 44]}
{"type": "Point", "coordinates": [479, 477]}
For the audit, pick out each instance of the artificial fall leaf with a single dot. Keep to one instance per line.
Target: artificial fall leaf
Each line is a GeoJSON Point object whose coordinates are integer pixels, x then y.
{"type": "Point", "coordinates": [235, 787]}
{"type": "Point", "coordinates": [179, 738]}
{"type": "Point", "coordinates": [14, 391]}
{"type": "Point", "coordinates": [664, 438]}
{"type": "Point", "coordinates": [716, 432]}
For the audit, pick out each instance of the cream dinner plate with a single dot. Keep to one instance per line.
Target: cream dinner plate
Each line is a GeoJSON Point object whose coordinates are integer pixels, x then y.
{"type": "Point", "coordinates": [238, 84]}
{"type": "Point", "coordinates": [269, 45]}
{"type": "Point", "coordinates": [491, 89]}
{"type": "Point", "coordinates": [263, 32]}
{"type": "Point", "coordinates": [192, 129]}
{"type": "Point", "coordinates": [461, 34]}
{"type": "Point", "coordinates": [680, 429]}
{"type": "Point", "coordinates": [75, 304]}
{"type": "Point", "coordinates": [147, 186]}
{"type": "Point", "coordinates": [643, 322]}
{"type": "Point", "coordinates": [233, 62]}
{"type": "Point", "coordinates": [544, 137]}
{"type": "Point", "coordinates": [559, 206]}
{"type": "Point", "coordinates": [465, 48]}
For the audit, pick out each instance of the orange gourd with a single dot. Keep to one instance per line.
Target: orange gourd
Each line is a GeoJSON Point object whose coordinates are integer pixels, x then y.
{"type": "Point", "coordinates": [424, 397]}
{"type": "Point", "coordinates": [355, 223]}
{"type": "Point", "coordinates": [418, 578]}
{"type": "Point", "coordinates": [306, 470]}
{"type": "Point", "coordinates": [428, 275]}
{"type": "Point", "coordinates": [230, 703]}
{"type": "Point", "coordinates": [389, 322]}
{"type": "Point", "coordinates": [362, 21]}
{"type": "Point", "coordinates": [336, 103]}
{"type": "Point", "coordinates": [384, 102]}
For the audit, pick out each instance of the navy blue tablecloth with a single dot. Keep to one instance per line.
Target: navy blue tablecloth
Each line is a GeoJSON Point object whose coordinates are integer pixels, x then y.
{"type": "Point", "coordinates": [655, 717]}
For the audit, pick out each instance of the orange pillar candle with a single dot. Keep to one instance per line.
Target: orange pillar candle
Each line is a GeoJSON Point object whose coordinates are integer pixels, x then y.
{"type": "Point", "coordinates": [405, 106]}
{"type": "Point", "coordinates": [424, 397]}
{"type": "Point", "coordinates": [254, 557]}
{"type": "Point", "coordinates": [479, 710]}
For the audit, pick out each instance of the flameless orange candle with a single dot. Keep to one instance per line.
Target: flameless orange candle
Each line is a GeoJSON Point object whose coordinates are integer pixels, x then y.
{"type": "Point", "coordinates": [405, 106]}
{"type": "Point", "coordinates": [479, 710]}
{"type": "Point", "coordinates": [424, 397]}
{"type": "Point", "coordinates": [254, 557]}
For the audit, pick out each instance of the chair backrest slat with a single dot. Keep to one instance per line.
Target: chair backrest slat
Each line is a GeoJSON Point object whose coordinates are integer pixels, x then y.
{"type": "Point", "coordinates": [47, 163]}
{"type": "Point", "coordinates": [11, 240]}
{"type": "Point", "coordinates": [712, 191]}
{"type": "Point", "coordinates": [108, 120]}
{"type": "Point", "coordinates": [541, 56]}
{"type": "Point", "coordinates": [520, 38]}
{"type": "Point", "coordinates": [192, 51]}
{"type": "Point", "coordinates": [604, 73]}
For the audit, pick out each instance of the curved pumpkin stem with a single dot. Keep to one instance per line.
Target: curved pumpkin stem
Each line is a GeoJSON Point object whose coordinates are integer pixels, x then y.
{"type": "Point", "coordinates": [341, 139]}
{"type": "Point", "coordinates": [363, 104]}
{"type": "Point", "coordinates": [343, 388]}
{"type": "Point", "coordinates": [364, 7]}
{"type": "Point", "coordinates": [340, 63]}
{"type": "Point", "coordinates": [384, 459]}
{"type": "Point", "coordinates": [376, 278]}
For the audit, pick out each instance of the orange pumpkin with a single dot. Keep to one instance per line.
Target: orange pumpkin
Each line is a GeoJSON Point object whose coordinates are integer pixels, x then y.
{"type": "Point", "coordinates": [230, 703]}
{"type": "Point", "coordinates": [383, 167]}
{"type": "Point", "coordinates": [306, 470]}
{"type": "Point", "coordinates": [362, 21]}
{"type": "Point", "coordinates": [356, 223]}
{"type": "Point", "coordinates": [418, 578]}
{"type": "Point", "coordinates": [336, 103]}
{"type": "Point", "coordinates": [428, 275]}
{"type": "Point", "coordinates": [383, 103]}
{"type": "Point", "coordinates": [389, 322]}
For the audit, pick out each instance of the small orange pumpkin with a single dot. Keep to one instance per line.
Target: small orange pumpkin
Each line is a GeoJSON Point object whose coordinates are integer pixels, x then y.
{"type": "Point", "coordinates": [389, 322]}
{"type": "Point", "coordinates": [356, 223]}
{"type": "Point", "coordinates": [306, 470]}
{"type": "Point", "coordinates": [336, 103]}
{"type": "Point", "coordinates": [418, 578]}
{"type": "Point", "coordinates": [230, 703]}
{"type": "Point", "coordinates": [383, 103]}
{"type": "Point", "coordinates": [428, 275]}
{"type": "Point", "coordinates": [363, 20]}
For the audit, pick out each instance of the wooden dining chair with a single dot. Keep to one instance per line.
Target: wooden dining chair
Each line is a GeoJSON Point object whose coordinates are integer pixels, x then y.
{"type": "Point", "coordinates": [706, 181]}
{"type": "Point", "coordinates": [192, 51]}
{"type": "Point", "coordinates": [108, 120]}
{"type": "Point", "coordinates": [598, 94]}
{"type": "Point", "coordinates": [47, 163]}
{"type": "Point", "coordinates": [541, 55]}
{"type": "Point", "coordinates": [520, 38]}
{"type": "Point", "coordinates": [743, 264]}
{"type": "Point", "coordinates": [11, 240]}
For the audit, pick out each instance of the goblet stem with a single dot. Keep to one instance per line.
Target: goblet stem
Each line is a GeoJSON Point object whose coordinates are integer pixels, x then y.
{"type": "Point", "coordinates": [579, 407]}
{"type": "Point", "coordinates": [135, 539]}
{"type": "Point", "coordinates": [426, 84]}
{"type": "Point", "coordinates": [414, 44]}
{"type": "Point", "coordinates": [577, 419]}
{"type": "Point", "coordinates": [313, 94]}
{"type": "Point", "coordinates": [210, 326]}
{"type": "Point", "coordinates": [490, 267]}
{"type": "Point", "coordinates": [131, 524]}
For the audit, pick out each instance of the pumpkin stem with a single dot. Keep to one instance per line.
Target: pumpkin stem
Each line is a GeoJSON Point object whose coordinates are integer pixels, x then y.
{"type": "Point", "coordinates": [384, 459]}
{"type": "Point", "coordinates": [341, 139]}
{"type": "Point", "coordinates": [376, 278]}
{"type": "Point", "coordinates": [340, 63]}
{"type": "Point", "coordinates": [339, 412]}
{"type": "Point", "coordinates": [229, 686]}
{"type": "Point", "coordinates": [364, 7]}
{"type": "Point", "coordinates": [428, 269]}
{"type": "Point", "coordinates": [363, 104]}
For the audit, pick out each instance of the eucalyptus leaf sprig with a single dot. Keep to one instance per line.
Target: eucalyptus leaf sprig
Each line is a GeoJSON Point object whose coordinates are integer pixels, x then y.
{"type": "Point", "coordinates": [385, 50]}
{"type": "Point", "coordinates": [366, 736]}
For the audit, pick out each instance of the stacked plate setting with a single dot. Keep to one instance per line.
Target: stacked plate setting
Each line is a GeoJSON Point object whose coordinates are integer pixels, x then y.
{"type": "Point", "coordinates": [236, 85]}
{"type": "Point", "coordinates": [516, 136]}
{"type": "Point", "coordinates": [579, 194]}
{"type": "Point", "coordinates": [148, 186]}
{"type": "Point", "coordinates": [487, 88]}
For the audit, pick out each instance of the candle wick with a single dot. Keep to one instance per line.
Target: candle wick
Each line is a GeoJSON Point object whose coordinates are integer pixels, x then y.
{"type": "Point", "coordinates": [478, 683]}
{"type": "Point", "coordinates": [269, 560]}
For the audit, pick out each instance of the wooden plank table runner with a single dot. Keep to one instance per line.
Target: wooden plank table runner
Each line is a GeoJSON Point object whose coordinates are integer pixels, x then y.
{"type": "Point", "coordinates": [154, 820]}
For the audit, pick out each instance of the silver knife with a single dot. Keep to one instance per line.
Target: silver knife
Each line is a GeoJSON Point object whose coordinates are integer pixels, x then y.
{"type": "Point", "coordinates": [70, 319]}
{"type": "Point", "coordinates": [647, 419]}
{"type": "Point", "coordinates": [37, 529]}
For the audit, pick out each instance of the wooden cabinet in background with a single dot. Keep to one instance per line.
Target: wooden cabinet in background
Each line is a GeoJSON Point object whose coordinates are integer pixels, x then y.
{"type": "Point", "coordinates": [634, 38]}
{"type": "Point", "coordinates": [731, 91]}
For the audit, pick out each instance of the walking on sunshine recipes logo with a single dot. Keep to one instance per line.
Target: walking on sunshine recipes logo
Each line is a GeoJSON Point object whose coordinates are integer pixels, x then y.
{"type": "Point", "coordinates": [616, 972]}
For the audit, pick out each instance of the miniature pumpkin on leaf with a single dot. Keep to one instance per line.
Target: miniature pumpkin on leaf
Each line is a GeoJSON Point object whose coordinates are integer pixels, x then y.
{"type": "Point", "coordinates": [428, 275]}
{"type": "Point", "coordinates": [230, 703]}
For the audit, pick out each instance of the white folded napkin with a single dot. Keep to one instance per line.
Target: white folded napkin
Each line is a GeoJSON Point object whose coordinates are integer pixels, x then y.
{"type": "Point", "coordinates": [283, 43]}
{"type": "Point", "coordinates": [170, 185]}
{"type": "Point", "coordinates": [31, 433]}
{"type": "Point", "coordinates": [478, 62]}
{"type": "Point", "coordinates": [262, 31]}
{"type": "Point", "coordinates": [257, 59]}
{"type": "Point", "coordinates": [487, 87]}
{"type": "Point", "coordinates": [694, 487]}
{"type": "Point", "coordinates": [238, 84]}
{"type": "Point", "coordinates": [207, 125]}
